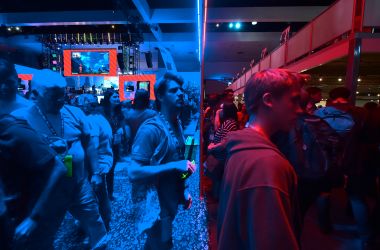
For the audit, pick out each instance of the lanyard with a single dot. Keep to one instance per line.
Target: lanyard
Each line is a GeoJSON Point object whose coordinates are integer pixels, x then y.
{"type": "Point", "coordinates": [176, 141]}
{"type": "Point", "coordinates": [48, 123]}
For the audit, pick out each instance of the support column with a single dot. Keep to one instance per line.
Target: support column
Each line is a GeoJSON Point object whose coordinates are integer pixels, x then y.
{"type": "Point", "coordinates": [354, 49]}
{"type": "Point", "coordinates": [353, 66]}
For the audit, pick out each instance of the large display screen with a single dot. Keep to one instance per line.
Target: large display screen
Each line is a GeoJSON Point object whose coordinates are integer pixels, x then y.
{"type": "Point", "coordinates": [90, 62]}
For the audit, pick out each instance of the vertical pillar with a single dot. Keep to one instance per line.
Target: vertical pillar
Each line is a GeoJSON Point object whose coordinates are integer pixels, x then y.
{"type": "Point", "coordinates": [353, 66]}
{"type": "Point", "coordinates": [354, 50]}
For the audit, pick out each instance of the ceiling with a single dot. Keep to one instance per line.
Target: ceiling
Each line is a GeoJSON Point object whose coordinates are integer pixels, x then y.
{"type": "Point", "coordinates": [228, 51]}
{"type": "Point", "coordinates": [169, 26]}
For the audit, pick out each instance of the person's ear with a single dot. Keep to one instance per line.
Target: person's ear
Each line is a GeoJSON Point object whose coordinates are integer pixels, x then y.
{"type": "Point", "coordinates": [268, 100]}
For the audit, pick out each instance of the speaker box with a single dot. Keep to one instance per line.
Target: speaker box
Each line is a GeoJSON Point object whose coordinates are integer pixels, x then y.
{"type": "Point", "coordinates": [120, 61]}
{"type": "Point", "coordinates": [148, 58]}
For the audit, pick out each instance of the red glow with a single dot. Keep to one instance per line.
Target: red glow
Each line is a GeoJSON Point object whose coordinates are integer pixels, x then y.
{"type": "Point", "coordinates": [135, 78]}
{"type": "Point", "coordinates": [26, 77]}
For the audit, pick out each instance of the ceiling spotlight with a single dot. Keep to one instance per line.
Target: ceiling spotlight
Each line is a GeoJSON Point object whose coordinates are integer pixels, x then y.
{"type": "Point", "coordinates": [254, 23]}
{"type": "Point", "coordinates": [17, 28]}
{"type": "Point", "coordinates": [9, 28]}
{"type": "Point", "coordinates": [357, 92]}
{"type": "Point", "coordinates": [359, 79]}
{"type": "Point", "coordinates": [113, 26]}
{"type": "Point", "coordinates": [217, 25]}
{"type": "Point", "coordinates": [320, 79]}
{"type": "Point", "coordinates": [339, 79]}
{"type": "Point", "coordinates": [378, 95]}
{"type": "Point", "coordinates": [231, 25]}
{"type": "Point", "coordinates": [238, 25]}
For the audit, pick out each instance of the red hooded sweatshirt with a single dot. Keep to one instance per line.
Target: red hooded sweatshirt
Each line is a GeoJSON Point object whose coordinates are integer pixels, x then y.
{"type": "Point", "coordinates": [258, 206]}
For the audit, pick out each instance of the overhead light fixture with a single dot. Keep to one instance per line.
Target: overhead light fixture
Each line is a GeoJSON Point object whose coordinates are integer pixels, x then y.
{"type": "Point", "coordinates": [113, 26]}
{"type": "Point", "coordinates": [229, 83]}
{"type": "Point", "coordinates": [231, 25]}
{"type": "Point", "coordinates": [17, 28]}
{"type": "Point", "coordinates": [357, 92]}
{"type": "Point", "coordinates": [339, 79]}
{"type": "Point", "coordinates": [359, 79]}
{"type": "Point", "coordinates": [320, 79]}
{"type": "Point", "coordinates": [237, 25]}
{"type": "Point", "coordinates": [217, 25]}
{"type": "Point", "coordinates": [254, 23]}
{"type": "Point", "coordinates": [378, 95]}
{"type": "Point", "coordinates": [9, 28]}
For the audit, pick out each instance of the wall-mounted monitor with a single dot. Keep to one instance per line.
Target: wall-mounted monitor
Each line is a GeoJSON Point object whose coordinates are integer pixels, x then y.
{"type": "Point", "coordinates": [129, 90]}
{"type": "Point", "coordinates": [128, 84]}
{"type": "Point", "coordinates": [90, 62]}
{"type": "Point", "coordinates": [143, 85]}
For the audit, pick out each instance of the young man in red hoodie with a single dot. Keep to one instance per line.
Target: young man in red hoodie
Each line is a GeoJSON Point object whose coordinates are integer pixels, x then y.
{"type": "Point", "coordinates": [258, 206]}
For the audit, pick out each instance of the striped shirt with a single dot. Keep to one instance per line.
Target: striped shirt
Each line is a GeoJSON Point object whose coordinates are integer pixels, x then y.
{"type": "Point", "coordinates": [227, 126]}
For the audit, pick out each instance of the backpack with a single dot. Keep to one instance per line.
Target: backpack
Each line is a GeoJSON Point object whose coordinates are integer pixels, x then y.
{"type": "Point", "coordinates": [346, 127]}
{"type": "Point", "coordinates": [316, 151]}
{"type": "Point", "coordinates": [342, 122]}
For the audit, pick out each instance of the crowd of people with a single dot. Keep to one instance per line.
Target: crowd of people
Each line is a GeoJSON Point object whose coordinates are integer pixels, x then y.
{"type": "Point", "coordinates": [270, 157]}
{"type": "Point", "coordinates": [269, 169]}
{"type": "Point", "coordinates": [58, 158]}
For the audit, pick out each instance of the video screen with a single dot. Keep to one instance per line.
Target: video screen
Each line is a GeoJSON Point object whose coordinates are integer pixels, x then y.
{"type": "Point", "coordinates": [129, 90]}
{"type": "Point", "coordinates": [143, 85]}
{"type": "Point", "coordinates": [90, 63]}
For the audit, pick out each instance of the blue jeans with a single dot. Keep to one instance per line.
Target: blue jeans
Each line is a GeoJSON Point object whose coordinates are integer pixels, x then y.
{"type": "Point", "coordinates": [85, 209]}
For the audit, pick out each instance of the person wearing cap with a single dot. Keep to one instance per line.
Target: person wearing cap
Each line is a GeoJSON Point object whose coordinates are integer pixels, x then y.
{"type": "Point", "coordinates": [158, 161]}
{"type": "Point", "coordinates": [67, 130]}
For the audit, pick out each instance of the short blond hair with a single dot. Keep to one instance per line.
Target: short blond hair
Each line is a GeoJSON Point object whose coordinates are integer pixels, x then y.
{"type": "Point", "coordinates": [274, 81]}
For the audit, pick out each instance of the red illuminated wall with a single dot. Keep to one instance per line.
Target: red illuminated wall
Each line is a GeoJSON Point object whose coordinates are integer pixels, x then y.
{"type": "Point", "coordinates": [25, 76]}
{"type": "Point", "coordinates": [132, 78]}
{"type": "Point", "coordinates": [67, 61]}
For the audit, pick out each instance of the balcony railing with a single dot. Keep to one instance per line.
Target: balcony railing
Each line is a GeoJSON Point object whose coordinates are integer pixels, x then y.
{"type": "Point", "coordinates": [330, 26]}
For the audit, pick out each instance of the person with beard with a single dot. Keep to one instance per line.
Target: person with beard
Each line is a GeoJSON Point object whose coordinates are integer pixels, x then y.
{"type": "Point", "coordinates": [158, 162]}
{"type": "Point", "coordinates": [67, 130]}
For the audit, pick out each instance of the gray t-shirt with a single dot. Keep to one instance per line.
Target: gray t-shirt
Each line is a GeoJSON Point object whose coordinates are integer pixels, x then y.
{"type": "Point", "coordinates": [76, 129]}
{"type": "Point", "coordinates": [154, 145]}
